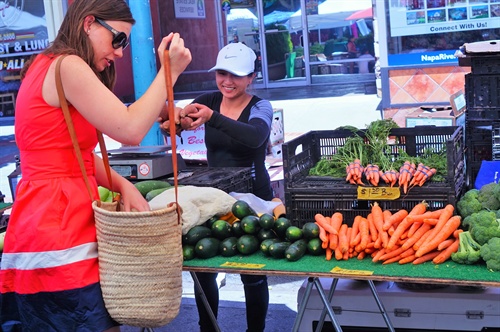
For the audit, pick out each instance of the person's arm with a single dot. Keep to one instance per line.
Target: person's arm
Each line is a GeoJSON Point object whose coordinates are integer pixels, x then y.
{"type": "Point", "coordinates": [131, 197]}
{"type": "Point", "coordinates": [105, 111]}
{"type": "Point", "coordinates": [252, 134]}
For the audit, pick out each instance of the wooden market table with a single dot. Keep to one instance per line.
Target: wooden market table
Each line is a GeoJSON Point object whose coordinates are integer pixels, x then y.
{"type": "Point", "coordinates": [315, 267]}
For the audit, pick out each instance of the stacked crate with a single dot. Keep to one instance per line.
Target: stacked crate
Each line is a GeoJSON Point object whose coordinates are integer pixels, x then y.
{"type": "Point", "coordinates": [306, 195]}
{"type": "Point", "coordinates": [482, 122]}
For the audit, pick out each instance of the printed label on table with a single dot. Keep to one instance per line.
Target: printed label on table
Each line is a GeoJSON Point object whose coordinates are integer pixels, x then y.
{"type": "Point", "coordinates": [243, 265]}
{"type": "Point", "coordinates": [340, 270]}
{"type": "Point", "coordinates": [380, 193]}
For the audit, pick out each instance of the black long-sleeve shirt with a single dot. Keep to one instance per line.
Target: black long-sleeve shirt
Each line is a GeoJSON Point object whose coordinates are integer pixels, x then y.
{"type": "Point", "coordinates": [242, 142]}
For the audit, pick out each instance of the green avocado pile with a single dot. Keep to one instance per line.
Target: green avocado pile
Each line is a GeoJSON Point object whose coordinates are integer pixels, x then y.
{"type": "Point", "coordinates": [245, 233]}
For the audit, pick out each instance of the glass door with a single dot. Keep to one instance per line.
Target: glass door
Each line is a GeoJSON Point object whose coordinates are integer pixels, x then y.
{"type": "Point", "coordinates": [264, 26]}
{"type": "Point", "coordinates": [283, 56]}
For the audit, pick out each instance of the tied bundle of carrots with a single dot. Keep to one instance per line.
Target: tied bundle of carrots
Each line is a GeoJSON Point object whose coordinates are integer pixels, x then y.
{"type": "Point", "coordinates": [404, 237]}
{"type": "Point", "coordinates": [390, 177]}
{"type": "Point", "coordinates": [372, 174]}
{"type": "Point", "coordinates": [354, 172]}
{"type": "Point", "coordinates": [411, 176]}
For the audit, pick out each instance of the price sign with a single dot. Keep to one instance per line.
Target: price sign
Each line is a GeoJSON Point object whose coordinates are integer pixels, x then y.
{"type": "Point", "coordinates": [340, 270]}
{"type": "Point", "coordinates": [243, 265]}
{"type": "Point", "coordinates": [379, 193]}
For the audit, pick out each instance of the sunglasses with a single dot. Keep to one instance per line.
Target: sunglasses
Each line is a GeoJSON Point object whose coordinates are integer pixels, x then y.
{"type": "Point", "coordinates": [119, 38]}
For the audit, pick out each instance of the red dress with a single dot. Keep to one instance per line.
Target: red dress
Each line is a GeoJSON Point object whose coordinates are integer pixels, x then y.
{"type": "Point", "coordinates": [50, 253]}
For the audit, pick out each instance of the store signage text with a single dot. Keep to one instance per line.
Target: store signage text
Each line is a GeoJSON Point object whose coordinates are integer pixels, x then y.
{"type": "Point", "coordinates": [11, 64]}
{"type": "Point", "coordinates": [34, 45]}
{"type": "Point", "coordinates": [460, 27]}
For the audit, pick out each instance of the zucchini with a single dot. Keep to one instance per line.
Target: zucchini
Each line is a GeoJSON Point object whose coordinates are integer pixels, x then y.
{"type": "Point", "coordinates": [207, 247]}
{"type": "Point", "coordinates": [296, 250]}
{"type": "Point", "coordinates": [147, 185]}
{"type": "Point", "coordinates": [277, 250]}
{"type": "Point", "coordinates": [155, 192]}
{"type": "Point", "coordinates": [196, 233]}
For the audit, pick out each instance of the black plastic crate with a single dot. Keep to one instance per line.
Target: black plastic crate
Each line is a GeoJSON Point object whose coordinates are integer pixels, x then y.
{"type": "Point", "coordinates": [478, 140]}
{"type": "Point", "coordinates": [485, 64]}
{"type": "Point", "coordinates": [307, 195]}
{"type": "Point", "coordinates": [227, 179]}
{"type": "Point", "coordinates": [482, 96]}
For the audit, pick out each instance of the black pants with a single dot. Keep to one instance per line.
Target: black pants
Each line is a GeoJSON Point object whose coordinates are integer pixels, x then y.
{"type": "Point", "coordinates": [256, 300]}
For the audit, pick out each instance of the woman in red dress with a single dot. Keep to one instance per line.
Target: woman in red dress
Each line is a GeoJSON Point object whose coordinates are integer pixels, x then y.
{"type": "Point", "coordinates": [49, 278]}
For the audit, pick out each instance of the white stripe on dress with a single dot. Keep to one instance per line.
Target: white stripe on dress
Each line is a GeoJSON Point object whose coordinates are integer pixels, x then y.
{"type": "Point", "coordinates": [48, 259]}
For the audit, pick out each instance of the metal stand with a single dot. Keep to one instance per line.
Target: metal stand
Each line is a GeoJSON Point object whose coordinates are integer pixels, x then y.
{"type": "Point", "coordinates": [201, 293]}
{"type": "Point", "coordinates": [314, 281]}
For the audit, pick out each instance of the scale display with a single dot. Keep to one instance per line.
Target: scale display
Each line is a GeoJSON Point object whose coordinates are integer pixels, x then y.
{"type": "Point", "coordinates": [127, 171]}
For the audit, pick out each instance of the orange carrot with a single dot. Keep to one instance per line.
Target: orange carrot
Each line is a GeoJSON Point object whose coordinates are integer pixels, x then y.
{"type": "Point", "coordinates": [336, 221]}
{"type": "Point", "coordinates": [361, 255]}
{"type": "Point", "coordinates": [416, 236]}
{"type": "Point", "coordinates": [322, 233]}
{"type": "Point", "coordinates": [396, 217]}
{"type": "Point", "coordinates": [413, 228]}
{"type": "Point", "coordinates": [372, 228]}
{"type": "Point", "coordinates": [423, 238]}
{"type": "Point", "coordinates": [457, 233]}
{"type": "Point", "coordinates": [407, 259]}
{"type": "Point", "coordinates": [445, 244]}
{"type": "Point", "coordinates": [445, 232]}
{"type": "Point", "coordinates": [378, 254]}
{"type": "Point", "coordinates": [333, 241]}
{"type": "Point", "coordinates": [325, 244]}
{"type": "Point", "coordinates": [393, 253]}
{"type": "Point", "coordinates": [323, 222]}
{"type": "Point", "coordinates": [338, 253]}
{"type": "Point", "coordinates": [446, 253]}
{"type": "Point", "coordinates": [426, 214]}
{"type": "Point", "coordinates": [378, 217]}
{"type": "Point", "coordinates": [364, 231]}
{"type": "Point", "coordinates": [428, 173]}
{"type": "Point", "coordinates": [343, 240]}
{"type": "Point", "coordinates": [431, 221]}
{"type": "Point", "coordinates": [425, 258]}
{"type": "Point", "coordinates": [355, 230]}
{"type": "Point", "coordinates": [329, 253]}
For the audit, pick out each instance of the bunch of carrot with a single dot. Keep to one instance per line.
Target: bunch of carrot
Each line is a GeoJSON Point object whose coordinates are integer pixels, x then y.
{"type": "Point", "coordinates": [404, 237]}
{"type": "Point", "coordinates": [411, 175]}
{"type": "Point", "coordinates": [354, 172]}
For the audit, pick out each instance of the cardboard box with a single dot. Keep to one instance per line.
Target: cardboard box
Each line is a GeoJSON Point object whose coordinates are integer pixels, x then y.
{"type": "Point", "coordinates": [450, 308]}
{"type": "Point", "coordinates": [277, 135]}
{"type": "Point", "coordinates": [446, 118]}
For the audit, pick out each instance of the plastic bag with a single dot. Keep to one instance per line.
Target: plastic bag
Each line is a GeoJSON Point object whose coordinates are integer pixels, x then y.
{"type": "Point", "coordinates": [257, 203]}
{"type": "Point", "coordinates": [488, 173]}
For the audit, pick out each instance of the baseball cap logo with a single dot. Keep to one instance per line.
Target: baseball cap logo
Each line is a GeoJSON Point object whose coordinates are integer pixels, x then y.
{"type": "Point", "coordinates": [229, 56]}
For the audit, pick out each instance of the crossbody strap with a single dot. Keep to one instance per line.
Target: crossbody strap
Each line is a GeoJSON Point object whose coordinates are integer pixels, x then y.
{"type": "Point", "coordinates": [71, 127]}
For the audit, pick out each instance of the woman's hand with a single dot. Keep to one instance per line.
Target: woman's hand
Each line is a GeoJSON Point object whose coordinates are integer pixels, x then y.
{"type": "Point", "coordinates": [132, 199]}
{"type": "Point", "coordinates": [199, 113]}
{"type": "Point", "coordinates": [180, 56]}
{"type": "Point", "coordinates": [164, 121]}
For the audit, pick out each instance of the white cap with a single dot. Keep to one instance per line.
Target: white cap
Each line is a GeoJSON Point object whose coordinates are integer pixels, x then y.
{"type": "Point", "coordinates": [237, 59]}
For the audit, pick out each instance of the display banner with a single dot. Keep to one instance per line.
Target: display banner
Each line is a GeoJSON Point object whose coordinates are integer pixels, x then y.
{"type": "Point", "coordinates": [189, 8]}
{"type": "Point", "coordinates": [419, 17]}
{"type": "Point", "coordinates": [422, 58]}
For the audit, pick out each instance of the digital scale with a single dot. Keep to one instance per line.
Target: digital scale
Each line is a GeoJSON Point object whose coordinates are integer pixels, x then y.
{"type": "Point", "coordinates": [144, 162]}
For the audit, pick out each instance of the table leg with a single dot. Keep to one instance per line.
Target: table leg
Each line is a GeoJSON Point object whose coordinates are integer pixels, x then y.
{"type": "Point", "coordinates": [201, 293]}
{"type": "Point", "coordinates": [381, 306]}
{"type": "Point", "coordinates": [327, 305]}
{"type": "Point", "coordinates": [321, 321]}
{"type": "Point", "coordinates": [302, 306]}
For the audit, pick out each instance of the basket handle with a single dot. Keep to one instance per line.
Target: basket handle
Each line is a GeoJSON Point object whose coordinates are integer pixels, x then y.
{"type": "Point", "coordinates": [71, 127]}
{"type": "Point", "coordinates": [171, 115]}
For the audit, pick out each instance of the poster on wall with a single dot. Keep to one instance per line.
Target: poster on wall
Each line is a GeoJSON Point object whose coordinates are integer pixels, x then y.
{"type": "Point", "coordinates": [189, 8]}
{"type": "Point", "coordinates": [23, 32]}
{"type": "Point", "coordinates": [419, 17]}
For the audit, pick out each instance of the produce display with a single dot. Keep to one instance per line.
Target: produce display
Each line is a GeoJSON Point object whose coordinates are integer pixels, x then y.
{"type": "Point", "coordinates": [244, 232]}
{"type": "Point", "coordinates": [480, 210]}
{"type": "Point", "coordinates": [370, 160]}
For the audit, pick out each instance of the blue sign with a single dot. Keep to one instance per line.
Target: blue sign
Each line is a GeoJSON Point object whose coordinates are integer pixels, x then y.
{"type": "Point", "coordinates": [423, 58]}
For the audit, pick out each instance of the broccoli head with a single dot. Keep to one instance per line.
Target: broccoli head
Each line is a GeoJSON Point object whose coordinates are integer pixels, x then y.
{"type": "Point", "coordinates": [490, 253]}
{"type": "Point", "coordinates": [468, 250]}
{"type": "Point", "coordinates": [483, 225]}
{"type": "Point", "coordinates": [469, 203]}
{"type": "Point", "coordinates": [487, 197]}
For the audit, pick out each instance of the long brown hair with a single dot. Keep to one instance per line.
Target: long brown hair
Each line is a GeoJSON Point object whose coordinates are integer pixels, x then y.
{"type": "Point", "coordinates": [72, 39]}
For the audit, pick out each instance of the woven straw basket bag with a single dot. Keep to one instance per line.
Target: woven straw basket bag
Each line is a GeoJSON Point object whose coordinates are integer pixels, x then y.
{"type": "Point", "coordinates": [140, 253]}
{"type": "Point", "coordinates": [140, 264]}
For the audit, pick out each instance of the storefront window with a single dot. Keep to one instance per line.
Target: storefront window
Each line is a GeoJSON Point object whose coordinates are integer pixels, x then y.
{"type": "Point", "coordinates": [430, 31]}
